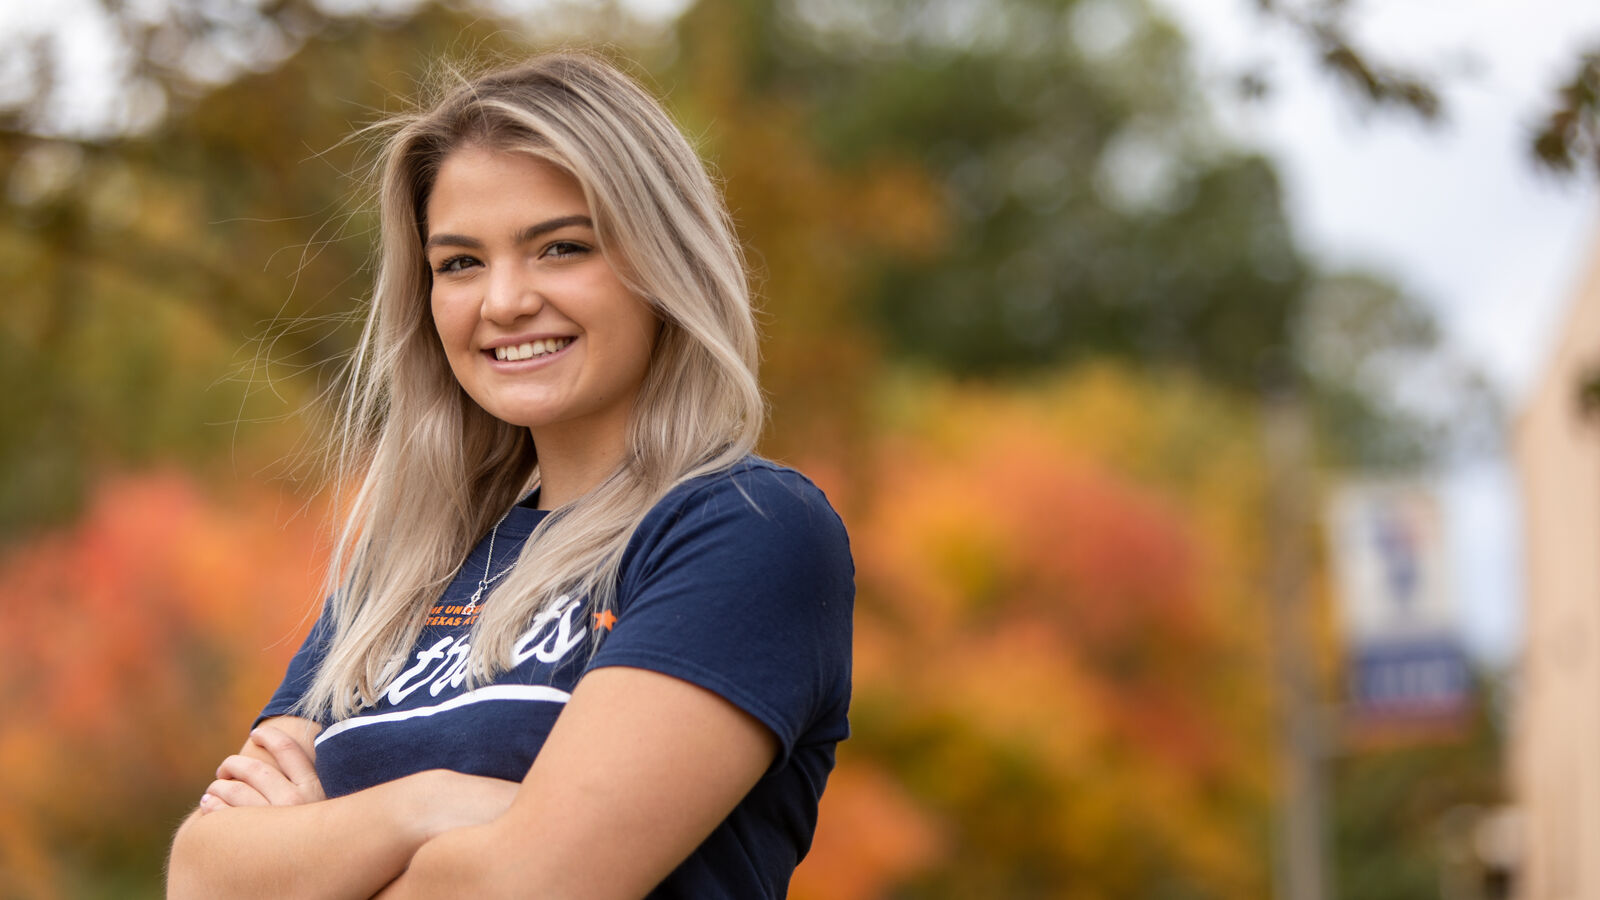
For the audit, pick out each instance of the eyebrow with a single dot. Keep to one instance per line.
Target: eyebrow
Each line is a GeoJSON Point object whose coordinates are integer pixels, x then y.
{"type": "Point", "coordinates": [522, 237]}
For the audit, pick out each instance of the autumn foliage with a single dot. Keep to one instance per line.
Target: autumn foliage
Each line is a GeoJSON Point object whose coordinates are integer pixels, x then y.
{"type": "Point", "coordinates": [1060, 686]}
{"type": "Point", "coordinates": [135, 647]}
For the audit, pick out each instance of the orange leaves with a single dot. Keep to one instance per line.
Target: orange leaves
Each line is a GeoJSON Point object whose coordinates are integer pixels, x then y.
{"type": "Point", "coordinates": [1032, 577]}
{"type": "Point", "coordinates": [1013, 522]}
{"type": "Point", "coordinates": [134, 647]}
{"type": "Point", "coordinates": [817, 231]}
{"type": "Point", "coordinates": [1058, 650]}
{"type": "Point", "coordinates": [152, 577]}
{"type": "Point", "coordinates": [1050, 656]}
{"type": "Point", "coordinates": [880, 838]}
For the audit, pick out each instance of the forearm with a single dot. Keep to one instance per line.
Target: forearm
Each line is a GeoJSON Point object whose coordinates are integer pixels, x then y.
{"type": "Point", "coordinates": [451, 866]}
{"type": "Point", "coordinates": [346, 847]}
{"type": "Point", "coordinates": [619, 796]}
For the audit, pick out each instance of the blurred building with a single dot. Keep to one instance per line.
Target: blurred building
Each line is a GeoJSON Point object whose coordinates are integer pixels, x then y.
{"type": "Point", "coordinates": [1556, 745]}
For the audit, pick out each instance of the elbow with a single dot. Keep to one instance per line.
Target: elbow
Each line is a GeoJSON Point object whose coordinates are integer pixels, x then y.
{"type": "Point", "coordinates": [182, 872]}
{"type": "Point", "coordinates": [448, 866]}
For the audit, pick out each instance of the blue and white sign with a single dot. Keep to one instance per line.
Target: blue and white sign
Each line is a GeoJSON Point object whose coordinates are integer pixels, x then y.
{"type": "Point", "coordinates": [1412, 679]}
{"type": "Point", "coordinates": [1397, 612]}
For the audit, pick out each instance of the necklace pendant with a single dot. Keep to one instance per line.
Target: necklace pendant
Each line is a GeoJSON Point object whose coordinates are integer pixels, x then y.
{"type": "Point", "coordinates": [483, 583]}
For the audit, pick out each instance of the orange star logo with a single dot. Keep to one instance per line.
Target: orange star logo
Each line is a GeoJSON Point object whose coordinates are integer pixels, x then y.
{"type": "Point", "coordinates": [605, 619]}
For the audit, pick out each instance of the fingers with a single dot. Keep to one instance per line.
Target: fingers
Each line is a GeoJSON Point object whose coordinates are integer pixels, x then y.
{"type": "Point", "coordinates": [224, 793]}
{"type": "Point", "coordinates": [293, 761]}
{"type": "Point", "coordinates": [272, 769]}
{"type": "Point", "coordinates": [263, 777]}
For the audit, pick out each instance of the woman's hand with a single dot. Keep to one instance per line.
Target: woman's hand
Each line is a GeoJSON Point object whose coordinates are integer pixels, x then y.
{"type": "Point", "coordinates": [343, 847]}
{"type": "Point", "coordinates": [281, 838]}
{"type": "Point", "coordinates": [273, 769]}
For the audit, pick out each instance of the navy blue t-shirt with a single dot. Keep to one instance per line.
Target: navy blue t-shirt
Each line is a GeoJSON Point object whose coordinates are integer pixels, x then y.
{"type": "Point", "coordinates": [740, 582]}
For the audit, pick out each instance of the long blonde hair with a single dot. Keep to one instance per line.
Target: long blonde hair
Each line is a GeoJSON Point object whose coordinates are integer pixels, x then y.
{"type": "Point", "coordinates": [435, 471]}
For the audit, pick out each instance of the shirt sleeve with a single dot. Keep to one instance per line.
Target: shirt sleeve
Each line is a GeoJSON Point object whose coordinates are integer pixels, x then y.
{"type": "Point", "coordinates": [302, 668]}
{"type": "Point", "coordinates": [745, 587]}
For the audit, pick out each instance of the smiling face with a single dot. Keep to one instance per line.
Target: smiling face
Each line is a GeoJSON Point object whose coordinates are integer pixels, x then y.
{"type": "Point", "coordinates": [538, 328]}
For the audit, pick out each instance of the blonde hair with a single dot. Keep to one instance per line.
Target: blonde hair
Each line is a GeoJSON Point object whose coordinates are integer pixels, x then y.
{"type": "Point", "coordinates": [435, 471]}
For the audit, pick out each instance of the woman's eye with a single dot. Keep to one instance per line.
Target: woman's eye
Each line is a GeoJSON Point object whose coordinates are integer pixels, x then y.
{"type": "Point", "coordinates": [564, 249]}
{"type": "Point", "coordinates": [455, 264]}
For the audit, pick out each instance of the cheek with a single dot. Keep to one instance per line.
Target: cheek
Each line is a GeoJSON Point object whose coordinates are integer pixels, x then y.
{"type": "Point", "coordinates": [643, 332]}
{"type": "Point", "coordinates": [451, 320]}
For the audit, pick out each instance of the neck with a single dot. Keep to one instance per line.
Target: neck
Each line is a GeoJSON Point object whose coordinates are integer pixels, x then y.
{"type": "Point", "coordinates": [570, 468]}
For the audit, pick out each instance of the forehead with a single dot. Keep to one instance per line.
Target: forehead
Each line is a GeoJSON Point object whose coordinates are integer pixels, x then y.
{"type": "Point", "coordinates": [477, 184]}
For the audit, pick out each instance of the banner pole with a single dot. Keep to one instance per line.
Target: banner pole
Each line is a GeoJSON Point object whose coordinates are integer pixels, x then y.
{"type": "Point", "coordinates": [1301, 871]}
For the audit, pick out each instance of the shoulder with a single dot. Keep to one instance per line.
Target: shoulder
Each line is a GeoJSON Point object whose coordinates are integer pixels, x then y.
{"type": "Point", "coordinates": [741, 582]}
{"type": "Point", "coordinates": [751, 505]}
{"type": "Point", "coordinates": [753, 490]}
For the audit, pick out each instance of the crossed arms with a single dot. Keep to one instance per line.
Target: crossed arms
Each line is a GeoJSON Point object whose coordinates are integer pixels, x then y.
{"type": "Point", "coordinates": [638, 770]}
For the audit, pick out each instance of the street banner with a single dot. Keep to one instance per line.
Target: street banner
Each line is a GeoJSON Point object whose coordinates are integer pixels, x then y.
{"type": "Point", "coordinates": [1404, 663]}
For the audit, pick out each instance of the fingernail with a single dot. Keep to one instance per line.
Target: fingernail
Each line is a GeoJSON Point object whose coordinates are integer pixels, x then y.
{"type": "Point", "coordinates": [205, 799]}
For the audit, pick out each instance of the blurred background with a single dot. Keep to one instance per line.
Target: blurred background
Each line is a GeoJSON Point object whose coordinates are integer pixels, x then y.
{"type": "Point", "coordinates": [1210, 388]}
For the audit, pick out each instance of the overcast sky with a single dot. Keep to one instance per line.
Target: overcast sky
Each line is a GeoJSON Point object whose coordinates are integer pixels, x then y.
{"type": "Point", "coordinates": [1456, 214]}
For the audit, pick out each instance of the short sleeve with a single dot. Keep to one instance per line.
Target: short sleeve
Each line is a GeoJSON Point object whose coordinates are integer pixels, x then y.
{"type": "Point", "coordinates": [302, 668]}
{"type": "Point", "coordinates": [745, 586]}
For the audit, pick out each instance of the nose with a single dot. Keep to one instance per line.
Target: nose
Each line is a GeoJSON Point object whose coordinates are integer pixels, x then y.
{"type": "Point", "coordinates": [510, 294]}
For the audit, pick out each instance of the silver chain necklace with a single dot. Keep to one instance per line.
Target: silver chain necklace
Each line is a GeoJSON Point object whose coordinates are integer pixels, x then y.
{"type": "Point", "coordinates": [488, 561]}
{"type": "Point", "coordinates": [484, 581]}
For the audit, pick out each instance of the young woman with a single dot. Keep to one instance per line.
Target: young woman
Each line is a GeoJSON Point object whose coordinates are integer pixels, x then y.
{"type": "Point", "coordinates": [579, 642]}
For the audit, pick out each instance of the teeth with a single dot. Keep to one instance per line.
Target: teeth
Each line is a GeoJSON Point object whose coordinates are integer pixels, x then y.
{"type": "Point", "coordinates": [530, 349]}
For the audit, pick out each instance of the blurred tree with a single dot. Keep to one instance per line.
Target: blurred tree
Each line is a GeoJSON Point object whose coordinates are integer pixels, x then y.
{"type": "Point", "coordinates": [1566, 139]}
{"type": "Point", "coordinates": [1387, 393]}
{"type": "Point", "coordinates": [1084, 208]}
{"type": "Point", "coordinates": [132, 647]}
{"type": "Point", "coordinates": [943, 180]}
{"type": "Point", "coordinates": [152, 257]}
{"type": "Point", "coordinates": [1392, 812]}
{"type": "Point", "coordinates": [1325, 27]}
{"type": "Point", "coordinates": [1059, 648]}
{"type": "Point", "coordinates": [240, 214]}
{"type": "Point", "coordinates": [1091, 209]}
{"type": "Point", "coordinates": [815, 232]}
